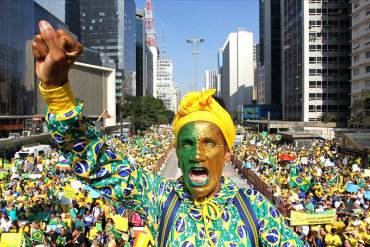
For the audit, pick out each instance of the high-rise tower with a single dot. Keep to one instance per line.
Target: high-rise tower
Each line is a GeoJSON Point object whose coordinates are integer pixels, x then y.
{"type": "Point", "coordinates": [151, 35]}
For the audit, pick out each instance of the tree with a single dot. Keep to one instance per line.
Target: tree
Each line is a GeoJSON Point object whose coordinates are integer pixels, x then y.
{"type": "Point", "coordinates": [327, 117]}
{"type": "Point", "coordinates": [145, 111]}
{"type": "Point", "coordinates": [356, 120]}
{"type": "Point", "coordinates": [359, 110]}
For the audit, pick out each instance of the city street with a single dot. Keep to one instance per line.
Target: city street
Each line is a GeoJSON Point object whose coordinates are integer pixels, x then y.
{"type": "Point", "coordinates": [172, 171]}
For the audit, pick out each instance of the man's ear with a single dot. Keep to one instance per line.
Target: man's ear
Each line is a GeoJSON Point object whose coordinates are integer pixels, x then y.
{"type": "Point", "coordinates": [227, 157]}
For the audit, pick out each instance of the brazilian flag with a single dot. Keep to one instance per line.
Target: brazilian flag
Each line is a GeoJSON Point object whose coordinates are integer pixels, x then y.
{"type": "Point", "coordinates": [272, 161]}
{"type": "Point", "coordinates": [37, 236]}
{"type": "Point", "coordinates": [300, 183]}
{"type": "Point", "coordinates": [333, 181]}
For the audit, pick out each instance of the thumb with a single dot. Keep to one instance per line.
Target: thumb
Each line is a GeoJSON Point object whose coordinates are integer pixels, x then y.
{"type": "Point", "coordinates": [48, 35]}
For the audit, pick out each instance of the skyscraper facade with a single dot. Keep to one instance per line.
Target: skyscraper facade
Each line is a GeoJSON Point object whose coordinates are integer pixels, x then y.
{"type": "Point", "coordinates": [237, 70]}
{"type": "Point", "coordinates": [165, 85]}
{"type": "Point", "coordinates": [360, 48]}
{"type": "Point", "coordinates": [269, 90]}
{"type": "Point", "coordinates": [212, 78]}
{"type": "Point", "coordinates": [315, 59]}
{"type": "Point", "coordinates": [144, 60]}
{"type": "Point", "coordinates": [18, 84]}
{"type": "Point", "coordinates": [109, 27]}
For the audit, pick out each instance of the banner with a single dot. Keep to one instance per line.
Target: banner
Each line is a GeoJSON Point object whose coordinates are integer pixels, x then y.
{"type": "Point", "coordinates": [76, 184]}
{"type": "Point", "coordinates": [69, 193]}
{"type": "Point", "coordinates": [11, 240]}
{"type": "Point", "coordinates": [303, 219]}
{"type": "Point", "coordinates": [366, 172]}
{"type": "Point", "coordinates": [351, 188]}
{"type": "Point", "coordinates": [120, 223]}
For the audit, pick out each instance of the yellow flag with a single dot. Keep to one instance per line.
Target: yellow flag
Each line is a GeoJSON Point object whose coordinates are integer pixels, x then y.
{"type": "Point", "coordinates": [120, 223]}
{"type": "Point", "coordinates": [11, 240]}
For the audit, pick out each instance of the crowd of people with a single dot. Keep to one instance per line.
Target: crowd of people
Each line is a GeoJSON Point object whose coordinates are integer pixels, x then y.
{"type": "Point", "coordinates": [310, 179]}
{"type": "Point", "coordinates": [34, 203]}
{"type": "Point", "coordinates": [314, 179]}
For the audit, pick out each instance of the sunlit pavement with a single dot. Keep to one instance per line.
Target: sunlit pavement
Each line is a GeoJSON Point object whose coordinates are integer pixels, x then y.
{"type": "Point", "coordinates": [172, 171]}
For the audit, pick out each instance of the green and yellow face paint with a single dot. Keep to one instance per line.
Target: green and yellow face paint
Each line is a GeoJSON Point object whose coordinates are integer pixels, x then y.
{"type": "Point", "coordinates": [201, 150]}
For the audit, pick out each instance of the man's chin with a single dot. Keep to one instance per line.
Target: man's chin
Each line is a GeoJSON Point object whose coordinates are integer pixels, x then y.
{"type": "Point", "coordinates": [201, 191]}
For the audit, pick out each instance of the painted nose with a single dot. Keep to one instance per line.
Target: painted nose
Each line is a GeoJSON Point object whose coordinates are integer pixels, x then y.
{"type": "Point", "coordinates": [198, 157]}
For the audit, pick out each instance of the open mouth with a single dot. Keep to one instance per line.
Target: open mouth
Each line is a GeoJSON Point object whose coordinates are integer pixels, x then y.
{"type": "Point", "coordinates": [198, 176]}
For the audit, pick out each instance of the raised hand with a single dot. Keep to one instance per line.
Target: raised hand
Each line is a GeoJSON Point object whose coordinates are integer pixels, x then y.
{"type": "Point", "coordinates": [55, 52]}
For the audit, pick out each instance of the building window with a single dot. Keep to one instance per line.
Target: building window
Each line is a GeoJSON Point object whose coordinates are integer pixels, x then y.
{"type": "Point", "coordinates": [367, 69]}
{"type": "Point", "coordinates": [356, 72]}
{"type": "Point", "coordinates": [356, 4]}
{"type": "Point", "coordinates": [368, 54]}
{"type": "Point", "coordinates": [355, 58]}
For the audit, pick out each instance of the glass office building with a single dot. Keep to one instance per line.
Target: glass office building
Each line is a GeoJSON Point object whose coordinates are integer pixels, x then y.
{"type": "Point", "coordinates": [18, 25]}
{"type": "Point", "coordinates": [109, 27]}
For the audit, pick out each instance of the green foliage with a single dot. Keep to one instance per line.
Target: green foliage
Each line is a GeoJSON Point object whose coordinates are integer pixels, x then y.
{"type": "Point", "coordinates": [359, 109]}
{"type": "Point", "coordinates": [328, 117]}
{"type": "Point", "coordinates": [145, 111]}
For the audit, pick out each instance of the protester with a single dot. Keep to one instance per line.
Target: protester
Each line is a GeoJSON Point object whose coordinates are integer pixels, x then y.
{"type": "Point", "coordinates": [33, 201]}
{"type": "Point", "coordinates": [316, 178]}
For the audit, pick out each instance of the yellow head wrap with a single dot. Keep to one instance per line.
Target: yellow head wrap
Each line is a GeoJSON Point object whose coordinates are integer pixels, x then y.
{"type": "Point", "coordinates": [201, 106]}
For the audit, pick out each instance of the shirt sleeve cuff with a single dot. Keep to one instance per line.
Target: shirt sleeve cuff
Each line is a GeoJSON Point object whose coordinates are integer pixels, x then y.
{"type": "Point", "coordinates": [60, 99]}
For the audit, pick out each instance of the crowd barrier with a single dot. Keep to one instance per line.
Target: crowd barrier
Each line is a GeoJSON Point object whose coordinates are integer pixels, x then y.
{"type": "Point", "coordinates": [162, 159]}
{"type": "Point", "coordinates": [254, 180]}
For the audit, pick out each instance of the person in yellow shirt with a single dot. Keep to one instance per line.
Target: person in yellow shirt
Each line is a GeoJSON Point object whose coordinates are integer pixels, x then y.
{"type": "Point", "coordinates": [332, 239]}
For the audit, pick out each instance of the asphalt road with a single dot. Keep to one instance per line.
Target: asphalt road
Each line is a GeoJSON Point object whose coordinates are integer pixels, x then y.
{"type": "Point", "coordinates": [172, 171]}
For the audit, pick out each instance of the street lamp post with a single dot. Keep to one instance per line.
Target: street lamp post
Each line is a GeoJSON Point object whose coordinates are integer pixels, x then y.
{"type": "Point", "coordinates": [195, 44]}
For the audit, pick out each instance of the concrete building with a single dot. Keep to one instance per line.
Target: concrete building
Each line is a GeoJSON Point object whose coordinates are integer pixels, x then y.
{"type": "Point", "coordinates": [237, 70]}
{"type": "Point", "coordinates": [212, 78]}
{"type": "Point", "coordinates": [315, 59]}
{"type": "Point", "coordinates": [360, 48]}
{"type": "Point", "coordinates": [144, 59]}
{"type": "Point", "coordinates": [255, 70]}
{"type": "Point", "coordinates": [155, 55]}
{"type": "Point", "coordinates": [175, 100]}
{"type": "Point", "coordinates": [95, 85]}
{"type": "Point", "coordinates": [165, 87]}
{"type": "Point", "coordinates": [269, 90]}
{"type": "Point", "coordinates": [108, 26]}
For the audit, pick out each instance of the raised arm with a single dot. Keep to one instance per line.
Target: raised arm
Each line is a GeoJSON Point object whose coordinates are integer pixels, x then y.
{"type": "Point", "coordinates": [82, 144]}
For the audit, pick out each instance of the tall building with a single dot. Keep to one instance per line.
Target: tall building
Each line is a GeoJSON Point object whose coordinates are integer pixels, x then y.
{"type": "Point", "coordinates": [155, 56]}
{"type": "Point", "coordinates": [175, 100]}
{"type": "Point", "coordinates": [151, 41]}
{"type": "Point", "coordinates": [237, 70]}
{"type": "Point", "coordinates": [18, 82]}
{"type": "Point", "coordinates": [255, 62]}
{"type": "Point", "coordinates": [108, 26]}
{"type": "Point", "coordinates": [315, 59]}
{"type": "Point", "coordinates": [212, 78]}
{"type": "Point", "coordinates": [165, 85]}
{"type": "Point", "coordinates": [269, 90]}
{"type": "Point", "coordinates": [144, 59]}
{"type": "Point", "coordinates": [360, 48]}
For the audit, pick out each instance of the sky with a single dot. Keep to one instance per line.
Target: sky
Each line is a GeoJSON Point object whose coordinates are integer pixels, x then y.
{"type": "Point", "coordinates": [178, 20]}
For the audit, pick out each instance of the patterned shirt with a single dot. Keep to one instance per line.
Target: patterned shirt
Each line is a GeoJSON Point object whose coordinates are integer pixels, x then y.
{"type": "Point", "coordinates": [98, 165]}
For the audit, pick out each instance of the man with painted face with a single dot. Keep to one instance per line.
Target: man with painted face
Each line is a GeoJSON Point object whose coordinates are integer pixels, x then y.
{"type": "Point", "coordinates": [201, 208]}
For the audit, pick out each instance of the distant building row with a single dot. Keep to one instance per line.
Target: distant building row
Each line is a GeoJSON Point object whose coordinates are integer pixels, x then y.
{"type": "Point", "coordinates": [113, 34]}
{"type": "Point", "coordinates": [311, 60]}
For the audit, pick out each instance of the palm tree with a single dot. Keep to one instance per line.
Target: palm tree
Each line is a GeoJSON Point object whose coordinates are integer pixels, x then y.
{"type": "Point", "coordinates": [356, 119]}
{"type": "Point", "coordinates": [328, 117]}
